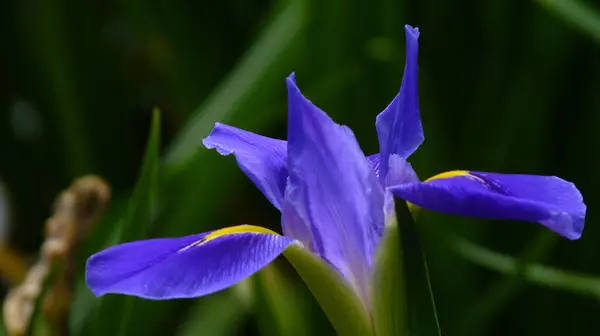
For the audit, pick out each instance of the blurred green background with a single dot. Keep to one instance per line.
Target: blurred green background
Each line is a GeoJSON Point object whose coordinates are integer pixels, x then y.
{"type": "Point", "coordinates": [509, 86]}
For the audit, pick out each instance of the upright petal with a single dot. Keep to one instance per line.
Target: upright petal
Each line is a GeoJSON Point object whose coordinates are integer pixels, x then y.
{"type": "Point", "coordinates": [333, 190]}
{"type": "Point", "coordinates": [375, 161]}
{"type": "Point", "coordinates": [183, 267]}
{"type": "Point", "coordinates": [262, 159]}
{"type": "Point", "coordinates": [399, 126]}
{"type": "Point", "coordinates": [399, 170]}
{"type": "Point", "coordinates": [548, 200]}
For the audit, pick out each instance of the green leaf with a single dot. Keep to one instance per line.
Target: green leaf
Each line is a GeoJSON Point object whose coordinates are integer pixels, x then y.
{"type": "Point", "coordinates": [402, 297]}
{"type": "Point", "coordinates": [220, 314]}
{"type": "Point", "coordinates": [338, 300]}
{"type": "Point", "coordinates": [489, 303]}
{"type": "Point", "coordinates": [141, 209]}
{"type": "Point", "coordinates": [577, 13]}
{"type": "Point", "coordinates": [143, 203]}
{"type": "Point", "coordinates": [422, 316]}
{"type": "Point", "coordinates": [578, 283]}
{"type": "Point", "coordinates": [281, 307]}
{"type": "Point", "coordinates": [261, 71]}
{"type": "Point", "coordinates": [388, 290]}
{"type": "Point", "coordinates": [85, 304]}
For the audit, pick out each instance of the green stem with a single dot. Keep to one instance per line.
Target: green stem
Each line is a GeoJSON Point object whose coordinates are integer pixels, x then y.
{"type": "Point", "coordinates": [576, 13]}
{"type": "Point", "coordinates": [533, 272]}
{"type": "Point", "coordinates": [485, 307]}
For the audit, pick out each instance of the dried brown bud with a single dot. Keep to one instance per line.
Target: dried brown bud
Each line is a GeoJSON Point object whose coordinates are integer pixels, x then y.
{"type": "Point", "coordinates": [75, 211]}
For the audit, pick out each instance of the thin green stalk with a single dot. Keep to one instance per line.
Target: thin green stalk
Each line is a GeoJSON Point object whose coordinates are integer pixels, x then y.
{"type": "Point", "coordinates": [495, 297]}
{"type": "Point", "coordinates": [578, 14]}
{"type": "Point", "coordinates": [535, 273]}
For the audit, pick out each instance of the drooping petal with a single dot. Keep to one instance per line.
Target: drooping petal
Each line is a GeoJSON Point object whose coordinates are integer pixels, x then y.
{"type": "Point", "coordinates": [548, 200]}
{"type": "Point", "coordinates": [261, 158]}
{"type": "Point", "coordinates": [333, 190]}
{"type": "Point", "coordinates": [399, 126]}
{"type": "Point", "coordinates": [184, 267]}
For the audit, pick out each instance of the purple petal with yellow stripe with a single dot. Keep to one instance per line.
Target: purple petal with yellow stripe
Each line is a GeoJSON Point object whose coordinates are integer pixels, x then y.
{"type": "Point", "coordinates": [184, 267]}
{"type": "Point", "coordinates": [261, 158]}
{"type": "Point", "coordinates": [548, 200]}
{"type": "Point", "coordinates": [333, 191]}
{"type": "Point", "coordinates": [399, 126]}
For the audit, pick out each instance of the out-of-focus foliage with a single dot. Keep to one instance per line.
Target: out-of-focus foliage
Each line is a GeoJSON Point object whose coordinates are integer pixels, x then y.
{"type": "Point", "coordinates": [508, 86]}
{"type": "Point", "coordinates": [403, 302]}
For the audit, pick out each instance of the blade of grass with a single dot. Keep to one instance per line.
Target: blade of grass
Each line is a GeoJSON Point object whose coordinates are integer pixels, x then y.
{"type": "Point", "coordinates": [280, 308]}
{"type": "Point", "coordinates": [482, 310]}
{"type": "Point", "coordinates": [583, 17]}
{"type": "Point", "coordinates": [389, 285]}
{"type": "Point", "coordinates": [263, 68]}
{"type": "Point", "coordinates": [535, 273]}
{"type": "Point", "coordinates": [422, 315]}
{"type": "Point", "coordinates": [144, 200]}
{"type": "Point", "coordinates": [133, 226]}
{"type": "Point", "coordinates": [220, 315]}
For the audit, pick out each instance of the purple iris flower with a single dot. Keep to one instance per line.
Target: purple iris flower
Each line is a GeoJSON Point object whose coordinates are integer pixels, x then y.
{"type": "Point", "coordinates": [334, 200]}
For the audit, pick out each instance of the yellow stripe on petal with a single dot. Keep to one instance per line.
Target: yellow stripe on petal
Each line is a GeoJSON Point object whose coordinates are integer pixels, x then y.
{"type": "Point", "coordinates": [456, 173]}
{"type": "Point", "coordinates": [230, 231]}
{"type": "Point", "coordinates": [237, 229]}
{"type": "Point", "coordinates": [449, 174]}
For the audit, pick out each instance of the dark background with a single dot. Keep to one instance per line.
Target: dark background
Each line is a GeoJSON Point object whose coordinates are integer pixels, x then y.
{"type": "Point", "coordinates": [508, 86]}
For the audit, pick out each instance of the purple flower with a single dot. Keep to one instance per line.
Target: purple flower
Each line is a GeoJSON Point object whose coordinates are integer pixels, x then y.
{"type": "Point", "coordinates": [334, 201]}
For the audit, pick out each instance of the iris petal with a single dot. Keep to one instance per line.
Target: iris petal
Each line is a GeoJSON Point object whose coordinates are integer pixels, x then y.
{"type": "Point", "coordinates": [399, 170]}
{"type": "Point", "coordinates": [374, 160]}
{"type": "Point", "coordinates": [261, 158]}
{"type": "Point", "coordinates": [399, 126]}
{"type": "Point", "coordinates": [548, 200]}
{"type": "Point", "coordinates": [183, 267]}
{"type": "Point", "coordinates": [333, 190]}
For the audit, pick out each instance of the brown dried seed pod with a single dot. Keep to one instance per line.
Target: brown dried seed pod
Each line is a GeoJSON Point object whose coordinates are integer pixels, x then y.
{"type": "Point", "coordinates": [75, 211]}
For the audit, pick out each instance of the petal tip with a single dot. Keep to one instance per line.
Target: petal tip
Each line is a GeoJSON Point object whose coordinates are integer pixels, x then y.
{"type": "Point", "coordinates": [575, 230]}
{"type": "Point", "coordinates": [211, 143]}
{"type": "Point", "coordinates": [290, 82]}
{"type": "Point", "coordinates": [300, 108]}
{"type": "Point", "coordinates": [567, 225]}
{"type": "Point", "coordinates": [292, 77]}
{"type": "Point", "coordinates": [411, 31]}
{"type": "Point", "coordinates": [207, 144]}
{"type": "Point", "coordinates": [206, 141]}
{"type": "Point", "coordinates": [89, 281]}
{"type": "Point", "coordinates": [97, 293]}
